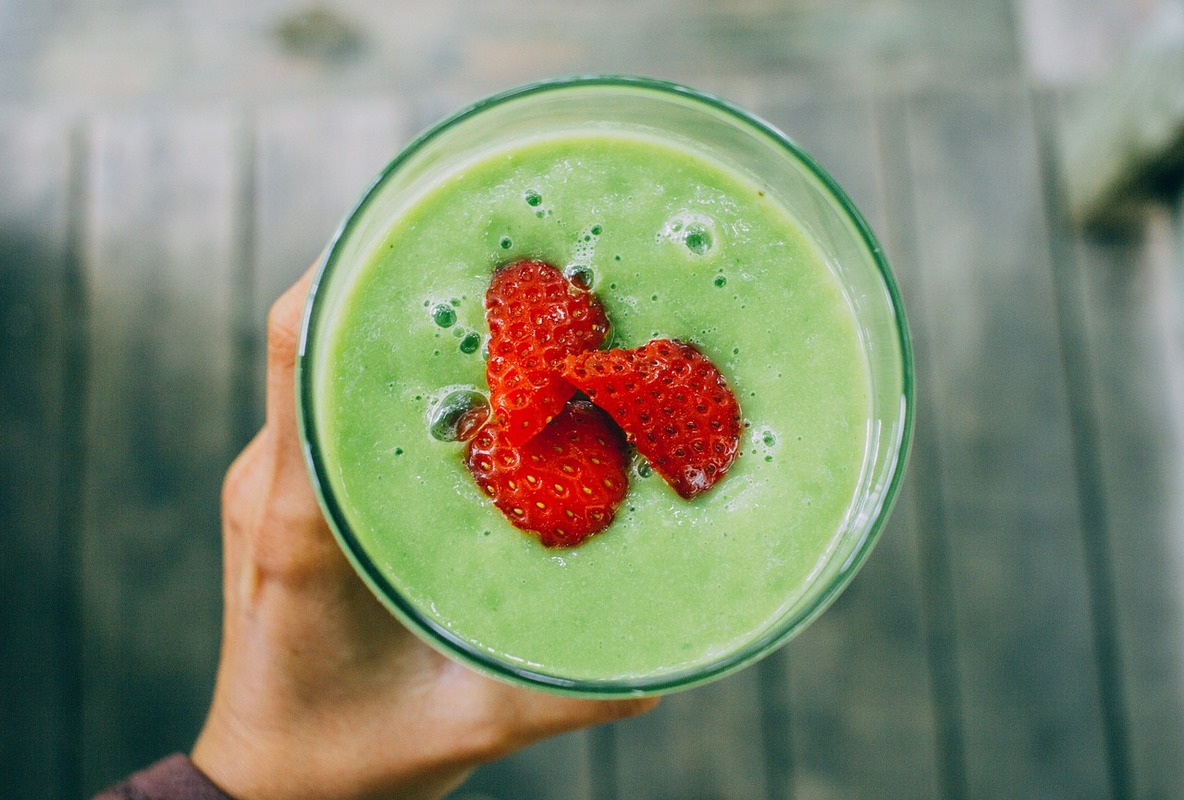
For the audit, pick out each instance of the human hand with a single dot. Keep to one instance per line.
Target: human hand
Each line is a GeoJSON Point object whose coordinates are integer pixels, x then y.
{"type": "Point", "coordinates": [321, 693]}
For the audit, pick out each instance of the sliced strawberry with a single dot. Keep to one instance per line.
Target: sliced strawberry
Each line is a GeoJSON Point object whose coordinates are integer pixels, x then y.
{"type": "Point", "coordinates": [536, 317]}
{"type": "Point", "coordinates": [565, 484]}
{"type": "Point", "coordinates": [673, 405]}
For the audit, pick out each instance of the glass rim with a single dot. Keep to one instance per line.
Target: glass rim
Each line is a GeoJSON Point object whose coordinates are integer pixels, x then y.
{"type": "Point", "coordinates": [455, 646]}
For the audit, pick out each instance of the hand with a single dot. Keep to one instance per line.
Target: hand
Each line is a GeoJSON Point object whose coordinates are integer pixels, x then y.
{"type": "Point", "coordinates": [321, 693]}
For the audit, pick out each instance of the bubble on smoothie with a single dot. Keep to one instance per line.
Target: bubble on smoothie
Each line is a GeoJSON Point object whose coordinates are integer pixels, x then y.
{"type": "Point", "coordinates": [765, 441]}
{"type": "Point", "coordinates": [579, 268]}
{"type": "Point", "coordinates": [580, 274]}
{"type": "Point", "coordinates": [641, 467]}
{"type": "Point", "coordinates": [470, 343]}
{"type": "Point", "coordinates": [535, 200]}
{"type": "Point", "coordinates": [610, 336]}
{"type": "Point", "coordinates": [458, 415]}
{"type": "Point", "coordinates": [444, 315]}
{"type": "Point", "coordinates": [691, 230]}
{"type": "Point", "coordinates": [698, 239]}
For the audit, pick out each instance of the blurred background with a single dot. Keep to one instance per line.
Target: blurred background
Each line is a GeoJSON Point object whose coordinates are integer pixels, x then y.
{"type": "Point", "coordinates": [168, 168]}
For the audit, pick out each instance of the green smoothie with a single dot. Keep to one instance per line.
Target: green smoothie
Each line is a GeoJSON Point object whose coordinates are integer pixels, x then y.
{"type": "Point", "coordinates": [675, 245]}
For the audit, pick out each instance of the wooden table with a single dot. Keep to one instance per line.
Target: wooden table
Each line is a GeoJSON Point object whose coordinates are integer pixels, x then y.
{"type": "Point", "coordinates": [1019, 631]}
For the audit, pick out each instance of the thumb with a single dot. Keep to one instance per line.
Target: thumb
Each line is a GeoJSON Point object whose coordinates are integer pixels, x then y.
{"type": "Point", "coordinates": [289, 535]}
{"type": "Point", "coordinates": [284, 322]}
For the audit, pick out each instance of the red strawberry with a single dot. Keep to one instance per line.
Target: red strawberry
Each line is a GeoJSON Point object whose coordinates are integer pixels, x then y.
{"type": "Point", "coordinates": [673, 405]}
{"type": "Point", "coordinates": [536, 317]}
{"type": "Point", "coordinates": [565, 484]}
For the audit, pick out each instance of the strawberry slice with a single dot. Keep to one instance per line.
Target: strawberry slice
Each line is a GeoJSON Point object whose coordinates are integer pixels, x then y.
{"type": "Point", "coordinates": [673, 405]}
{"type": "Point", "coordinates": [536, 317]}
{"type": "Point", "coordinates": [565, 484]}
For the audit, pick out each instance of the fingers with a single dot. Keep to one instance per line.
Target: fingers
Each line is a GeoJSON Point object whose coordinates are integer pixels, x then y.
{"type": "Point", "coordinates": [524, 716]}
{"type": "Point", "coordinates": [548, 715]}
{"type": "Point", "coordinates": [269, 498]}
{"type": "Point", "coordinates": [284, 321]}
{"type": "Point", "coordinates": [283, 341]}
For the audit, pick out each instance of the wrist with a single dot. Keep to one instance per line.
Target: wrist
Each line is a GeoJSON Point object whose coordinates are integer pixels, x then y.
{"type": "Point", "coordinates": [235, 763]}
{"type": "Point", "coordinates": [249, 764]}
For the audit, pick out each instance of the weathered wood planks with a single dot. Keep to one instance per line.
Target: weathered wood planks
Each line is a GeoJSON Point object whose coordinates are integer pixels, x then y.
{"type": "Point", "coordinates": [1125, 325]}
{"type": "Point", "coordinates": [80, 53]}
{"type": "Point", "coordinates": [41, 329]}
{"type": "Point", "coordinates": [158, 250]}
{"type": "Point", "coordinates": [983, 300]}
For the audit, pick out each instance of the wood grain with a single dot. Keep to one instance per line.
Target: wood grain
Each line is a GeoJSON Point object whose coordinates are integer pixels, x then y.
{"type": "Point", "coordinates": [39, 334]}
{"type": "Point", "coordinates": [985, 303]}
{"type": "Point", "coordinates": [158, 256]}
{"type": "Point", "coordinates": [922, 502]}
{"type": "Point", "coordinates": [80, 53]}
{"type": "Point", "coordinates": [699, 744]}
{"type": "Point", "coordinates": [1131, 321]}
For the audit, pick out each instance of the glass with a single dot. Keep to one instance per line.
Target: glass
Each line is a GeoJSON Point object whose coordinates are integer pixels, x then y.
{"type": "Point", "coordinates": [728, 135]}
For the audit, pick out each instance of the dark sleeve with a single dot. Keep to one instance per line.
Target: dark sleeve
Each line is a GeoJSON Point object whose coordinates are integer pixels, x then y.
{"type": "Point", "coordinates": [173, 778]}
